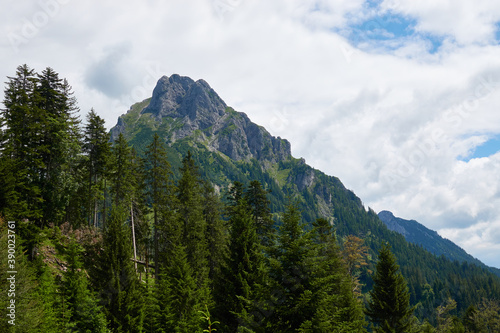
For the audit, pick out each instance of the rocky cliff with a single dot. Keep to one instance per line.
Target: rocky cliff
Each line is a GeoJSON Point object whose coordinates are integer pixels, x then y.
{"type": "Point", "coordinates": [182, 107]}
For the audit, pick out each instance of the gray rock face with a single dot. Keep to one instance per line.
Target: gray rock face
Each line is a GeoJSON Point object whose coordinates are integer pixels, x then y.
{"type": "Point", "coordinates": [180, 97]}
{"type": "Point", "coordinates": [193, 105]}
{"type": "Point", "coordinates": [119, 128]}
{"type": "Point", "coordinates": [392, 223]}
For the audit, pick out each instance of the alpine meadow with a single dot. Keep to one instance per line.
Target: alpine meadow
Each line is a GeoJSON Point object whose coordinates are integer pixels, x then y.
{"type": "Point", "coordinates": [188, 217]}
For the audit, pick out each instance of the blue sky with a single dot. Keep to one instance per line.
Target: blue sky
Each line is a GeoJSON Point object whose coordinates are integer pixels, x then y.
{"type": "Point", "coordinates": [486, 149]}
{"type": "Point", "coordinates": [382, 94]}
{"type": "Point", "coordinates": [387, 28]}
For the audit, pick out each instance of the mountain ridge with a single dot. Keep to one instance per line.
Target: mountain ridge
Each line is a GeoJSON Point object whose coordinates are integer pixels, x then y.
{"type": "Point", "coordinates": [416, 233]}
{"type": "Point", "coordinates": [189, 116]}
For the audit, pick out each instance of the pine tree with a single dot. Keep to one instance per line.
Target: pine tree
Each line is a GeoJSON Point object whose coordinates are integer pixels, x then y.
{"type": "Point", "coordinates": [389, 305]}
{"type": "Point", "coordinates": [180, 297]}
{"type": "Point", "coordinates": [121, 175]}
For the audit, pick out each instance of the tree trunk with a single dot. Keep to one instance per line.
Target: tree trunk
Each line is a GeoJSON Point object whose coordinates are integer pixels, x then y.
{"type": "Point", "coordinates": [133, 235]}
{"type": "Point", "coordinates": [156, 243]}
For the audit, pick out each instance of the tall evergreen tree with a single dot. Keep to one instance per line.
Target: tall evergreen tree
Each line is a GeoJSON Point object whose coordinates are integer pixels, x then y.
{"type": "Point", "coordinates": [20, 158]}
{"type": "Point", "coordinates": [240, 292]}
{"type": "Point", "coordinates": [257, 199]}
{"type": "Point", "coordinates": [180, 297]}
{"type": "Point", "coordinates": [337, 307]}
{"type": "Point", "coordinates": [124, 185]}
{"type": "Point", "coordinates": [58, 142]}
{"type": "Point", "coordinates": [40, 142]}
{"type": "Point", "coordinates": [292, 268]}
{"type": "Point", "coordinates": [121, 174]}
{"type": "Point", "coordinates": [389, 305]}
{"type": "Point", "coordinates": [216, 233]}
{"type": "Point", "coordinates": [192, 222]}
{"type": "Point", "coordinates": [97, 149]}
{"type": "Point", "coordinates": [158, 187]}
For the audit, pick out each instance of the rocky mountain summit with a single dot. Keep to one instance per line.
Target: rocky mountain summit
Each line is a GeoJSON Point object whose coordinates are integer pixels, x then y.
{"type": "Point", "coordinates": [182, 107]}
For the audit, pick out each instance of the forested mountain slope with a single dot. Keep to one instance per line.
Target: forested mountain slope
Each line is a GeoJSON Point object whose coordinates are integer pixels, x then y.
{"type": "Point", "coordinates": [190, 116]}
{"type": "Point", "coordinates": [430, 240]}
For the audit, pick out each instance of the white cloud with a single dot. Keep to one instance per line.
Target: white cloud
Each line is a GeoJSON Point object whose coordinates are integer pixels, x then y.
{"type": "Point", "coordinates": [390, 124]}
{"type": "Point", "coordinates": [465, 21]}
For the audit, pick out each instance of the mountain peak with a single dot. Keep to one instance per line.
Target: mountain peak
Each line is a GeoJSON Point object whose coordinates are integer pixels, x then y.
{"type": "Point", "coordinates": [179, 96]}
{"type": "Point", "coordinates": [184, 108]}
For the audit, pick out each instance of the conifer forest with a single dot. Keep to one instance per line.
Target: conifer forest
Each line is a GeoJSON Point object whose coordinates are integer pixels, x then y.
{"type": "Point", "coordinates": [133, 231]}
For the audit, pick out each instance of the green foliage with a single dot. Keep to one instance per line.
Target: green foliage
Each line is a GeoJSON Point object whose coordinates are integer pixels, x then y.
{"type": "Point", "coordinates": [244, 274]}
{"type": "Point", "coordinates": [82, 303]}
{"type": "Point", "coordinates": [120, 292]}
{"type": "Point", "coordinates": [292, 268]}
{"type": "Point", "coordinates": [389, 305]}
{"type": "Point", "coordinates": [39, 144]}
{"type": "Point", "coordinates": [97, 149]}
{"type": "Point", "coordinates": [229, 260]}
{"type": "Point", "coordinates": [206, 317]}
{"type": "Point", "coordinates": [158, 190]}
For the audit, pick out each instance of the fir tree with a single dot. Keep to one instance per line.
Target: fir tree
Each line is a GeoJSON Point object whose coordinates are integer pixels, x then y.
{"type": "Point", "coordinates": [124, 185]}
{"type": "Point", "coordinates": [337, 307]}
{"type": "Point", "coordinates": [389, 305]}
{"type": "Point", "coordinates": [292, 268]}
{"type": "Point", "coordinates": [244, 276]}
{"type": "Point", "coordinates": [180, 298]}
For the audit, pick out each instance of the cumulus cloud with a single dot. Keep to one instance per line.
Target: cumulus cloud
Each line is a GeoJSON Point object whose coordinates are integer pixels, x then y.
{"type": "Point", "coordinates": [464, 21]}
{"type": "Point", "coordinates": [393, 117]}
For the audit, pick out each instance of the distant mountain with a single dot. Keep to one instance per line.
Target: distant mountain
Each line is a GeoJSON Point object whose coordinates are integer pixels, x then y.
{"type": "Point", "coordinates": [430, 240]}
{"type": "Point", "coordinates": [190, 116]}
